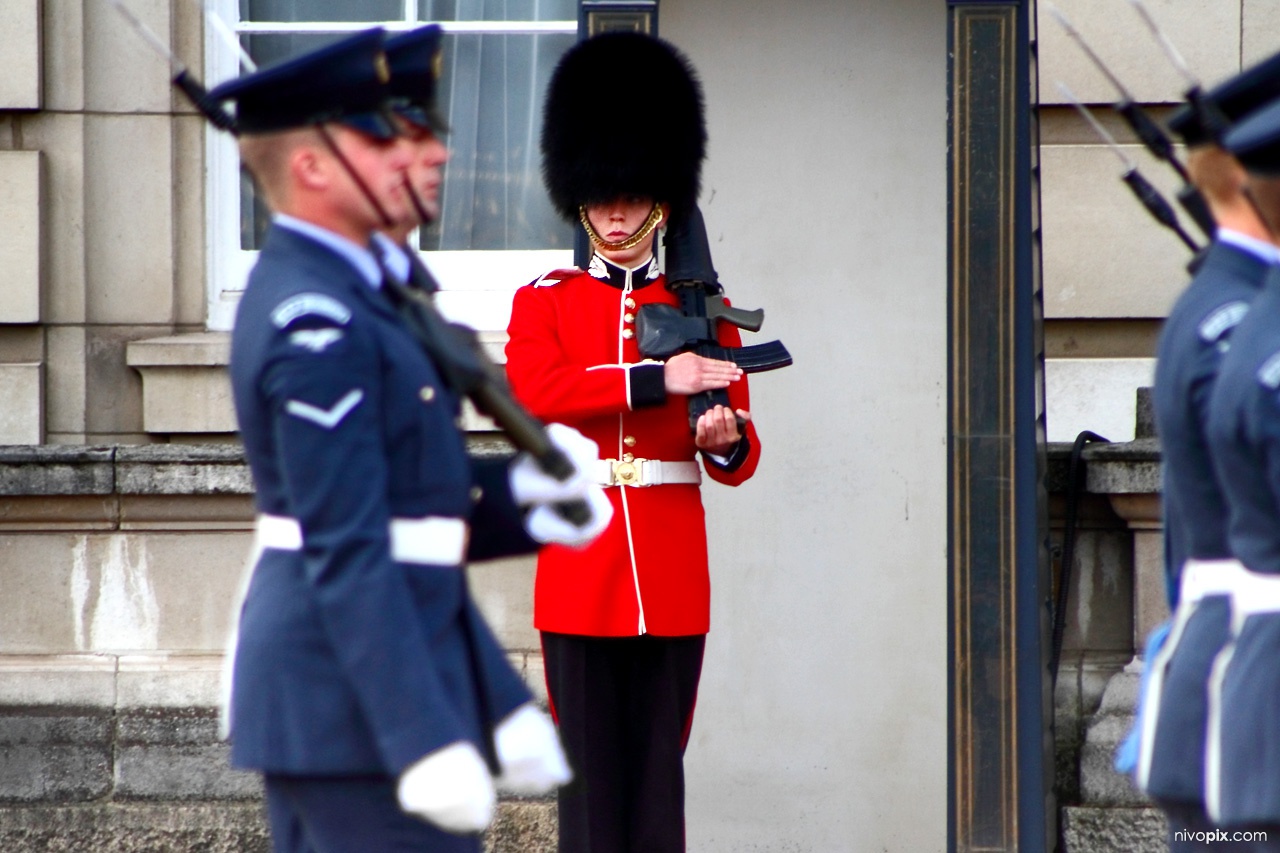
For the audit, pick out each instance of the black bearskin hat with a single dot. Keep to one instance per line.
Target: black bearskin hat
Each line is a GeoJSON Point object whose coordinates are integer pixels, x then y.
{"type": "Point", "coordinates": [589, 156]}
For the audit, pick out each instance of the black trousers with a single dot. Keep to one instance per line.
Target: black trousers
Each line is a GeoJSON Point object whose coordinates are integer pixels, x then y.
{"type": "Point", "coordinates": [624, 706]}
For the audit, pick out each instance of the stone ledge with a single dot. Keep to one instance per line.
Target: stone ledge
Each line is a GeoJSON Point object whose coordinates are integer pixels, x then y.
{"type": "Point", "coordinates": [152, 469]}
{"type": "Point", "coordinates": [1133, 830]}
{"type": "Point", "coordinates": [48, 469]}
{"type": "Point", "coordinates": [1122, 468]}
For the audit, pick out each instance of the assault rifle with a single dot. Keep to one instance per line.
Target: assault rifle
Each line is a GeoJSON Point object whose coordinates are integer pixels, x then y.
{"type": "Point", "coordinates": [456, 351]}
{"type": "Point", "coordinates": [663, 330]}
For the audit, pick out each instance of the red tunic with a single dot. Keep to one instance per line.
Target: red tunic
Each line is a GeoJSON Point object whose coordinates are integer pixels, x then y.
{"type": "Point", "coordinates": [570, 358]}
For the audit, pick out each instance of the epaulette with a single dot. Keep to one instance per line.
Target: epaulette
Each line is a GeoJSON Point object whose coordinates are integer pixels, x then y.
{"type": "Point", "coordinates": [309, 305]}
{"type": "Point", "coordinates": [1221, 320]}
{"type": "Point", "coordinates": [556, 276]}
{"type": "Point", "coordinates": [1269, 372]}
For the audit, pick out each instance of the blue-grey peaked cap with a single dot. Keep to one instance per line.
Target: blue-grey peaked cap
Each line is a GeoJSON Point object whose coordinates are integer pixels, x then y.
{"type": "Point", "coordinates": [415, 59]}
{"type": "Point", "coordinates": [1228, 103]}
{"type": "Point", "coordinates": [1255, 142]}
{"type": "Point", "coordinates": [344, 82]}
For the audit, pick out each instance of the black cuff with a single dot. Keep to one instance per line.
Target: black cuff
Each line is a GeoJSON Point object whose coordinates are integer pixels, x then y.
{"type": "Point", "coordinates": [735, 458]}
{"type": "Point", "coordinates": [648, 385]}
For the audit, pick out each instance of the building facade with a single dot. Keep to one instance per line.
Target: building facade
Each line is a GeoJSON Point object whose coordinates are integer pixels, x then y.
{"type": "Point", "coordinates": [832, 198]}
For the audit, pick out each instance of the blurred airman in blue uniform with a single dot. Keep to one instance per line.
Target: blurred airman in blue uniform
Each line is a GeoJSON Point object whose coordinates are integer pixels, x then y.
{"type": "Point", "coordinates": [1199, 564]}
{"type": "Point", "coordinates": [368, 690]}
{"type": "Point", "coordinates": [1242, 772]}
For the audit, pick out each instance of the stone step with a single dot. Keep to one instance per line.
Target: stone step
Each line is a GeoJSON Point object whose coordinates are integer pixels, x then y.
{"type": "Point", "coordinates": [1113, 816]}
{"type": "Point", "coordinates": [158, 780]}
{"type": "Point", "coordinates": [1089, 829]}
{"type": "Point", "coordinates": [522, 826]}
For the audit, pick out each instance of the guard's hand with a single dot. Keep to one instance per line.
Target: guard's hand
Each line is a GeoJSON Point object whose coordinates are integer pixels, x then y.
{"type": "Point", "coordinates": [450, 788]}
{"type": "Point", "coordinates": [529, 752]}
{"type": "Point", "coordinates": [530, 484]}
{"type": "Point", "coordinates": [547, 526]}
{"type": "Point", "coordinates": [689, 373]}
{"type": "Point", "coordinates": [717, 430]}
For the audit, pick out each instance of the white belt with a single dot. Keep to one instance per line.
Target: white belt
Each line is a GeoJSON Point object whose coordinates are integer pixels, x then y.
{"type": "Point", "coordinates": [1255, 593]}
{"type": "Point", "coordinates": [645, 472]}
{"type": "Point", "coordinates": [433, 540]}
{"type": "Point", "coordinates": [1202, 578]}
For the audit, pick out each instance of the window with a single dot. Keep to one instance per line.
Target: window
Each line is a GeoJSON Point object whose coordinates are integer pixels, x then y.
{"type": "Point", "coordinates": [497, 228]}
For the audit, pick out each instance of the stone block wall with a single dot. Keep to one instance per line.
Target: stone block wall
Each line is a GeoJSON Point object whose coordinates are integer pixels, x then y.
{"type": "Point", "coordinates": [119, 568]}
{"type": "Point", "coordinates": [1116, 598]}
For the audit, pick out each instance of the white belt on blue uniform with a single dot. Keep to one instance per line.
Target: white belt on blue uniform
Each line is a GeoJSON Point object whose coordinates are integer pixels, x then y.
{"type": "Point", "coordinates": [1202, 578]}
{"type": "Point", "coordinates": [432, 540]}
{"type": "Point", "coordinates": [645, 472]}
{"type": "Point", "coordinates": [1256, 592]}
{"type": "Point", "coordinates": [1251, 593]}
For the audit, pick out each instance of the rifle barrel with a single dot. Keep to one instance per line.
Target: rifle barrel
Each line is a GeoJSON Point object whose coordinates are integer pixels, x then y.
{"type": "Point", "coordinates": [1097, 127]}
{"type": "Point", "coordinates": [1175, 58]}
{"type": "Point", "coordinates": [148, 35]}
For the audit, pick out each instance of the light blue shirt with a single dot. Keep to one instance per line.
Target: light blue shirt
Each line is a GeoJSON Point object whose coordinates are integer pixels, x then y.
{"type": "Point", "coordinates": [1258, 248]}
{"type": "Point", "coordinates": [358, 256]}
{"type": "Point", "coordinates": [393, 256]}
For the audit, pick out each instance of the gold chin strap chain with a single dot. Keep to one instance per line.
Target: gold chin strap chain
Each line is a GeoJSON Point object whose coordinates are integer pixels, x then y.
{"type": "Point", "coordinates": [655, 216]}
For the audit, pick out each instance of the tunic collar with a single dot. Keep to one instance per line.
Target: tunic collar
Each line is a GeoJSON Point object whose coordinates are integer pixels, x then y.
{"type": "Point", "coordinates": [620, 277]}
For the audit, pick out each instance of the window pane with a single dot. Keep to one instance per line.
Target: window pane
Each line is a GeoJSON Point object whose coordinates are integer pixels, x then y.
{"type": "Point", "coordinates": [498, 10]}
{"type": "Point", "coordinates": [493, 197]}
{"type": "Point", "coordinates": [254, 215]}
{"type": "Point", "coordinates": [374, 11]}
{"type": "Point", "coordinates": [270, 48]}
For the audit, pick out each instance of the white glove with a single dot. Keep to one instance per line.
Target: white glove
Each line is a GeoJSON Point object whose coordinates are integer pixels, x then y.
{"type": "Point", "coordinates": [529, 752]}
{"type": "Point", "coordinates": [545, 525]}
{"type": "Point", "coordinates": [450, 788]}
{"type": "Point", "coordinates": [531, 485]}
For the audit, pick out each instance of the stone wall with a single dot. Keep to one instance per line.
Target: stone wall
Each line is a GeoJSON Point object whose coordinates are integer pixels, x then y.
{"type": "Point", "coordinates": [126, 561]}
{"type": "Point", "coordinates": [1116, 598]}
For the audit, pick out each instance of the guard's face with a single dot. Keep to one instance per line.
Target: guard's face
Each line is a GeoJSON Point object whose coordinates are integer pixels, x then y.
{"type": "Point", "coordinates": [383, 165]}
{"type": "Point", "coordinates": [429, 156]}
{"type": "Point", "coordinates": [617, 220]}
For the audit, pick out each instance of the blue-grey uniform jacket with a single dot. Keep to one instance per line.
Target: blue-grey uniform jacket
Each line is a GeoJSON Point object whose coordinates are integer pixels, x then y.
{"type": "Point", "coordinates": [1244, 436]}
{"type": "Point", "coordinates": [1192, 345]}
{"type": "Point", "coordinates": [349, 662]}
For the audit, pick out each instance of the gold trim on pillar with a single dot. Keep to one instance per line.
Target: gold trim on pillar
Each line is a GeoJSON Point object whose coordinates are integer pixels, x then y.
{"type": "Point", "coordinates": [603, 16]}
{"type": "Point", "coordinates": [982, 412]}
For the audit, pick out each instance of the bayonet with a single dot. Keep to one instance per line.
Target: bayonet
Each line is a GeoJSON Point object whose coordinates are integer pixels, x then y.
{"type": "Point", "coordinates": [181, 76]}
{"type": "Point", "coordinates": [1147, 130]}
{"type": "Point", "coordinates": [1175, 58]}
{"type": "Point", "coordinates": [1146, 194]}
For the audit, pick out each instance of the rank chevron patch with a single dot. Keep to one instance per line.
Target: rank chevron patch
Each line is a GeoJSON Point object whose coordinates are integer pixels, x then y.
{"type": "Point", "coordinates": [327, 418]}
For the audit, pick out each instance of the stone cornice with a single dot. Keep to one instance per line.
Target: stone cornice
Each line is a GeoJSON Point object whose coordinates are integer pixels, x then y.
{"type": "Point", "coordinates": [154, 469]}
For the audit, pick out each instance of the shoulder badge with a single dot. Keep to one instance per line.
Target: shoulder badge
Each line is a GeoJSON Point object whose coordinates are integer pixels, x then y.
{"type": "Point", "coordinates": [556, 276]}
{"type": "Point", "coordinates": [1222, 320]}
{"type": "Point", "coordinates": [310, 304]}
{"type": "Point", "coordinates": [1269, 373]}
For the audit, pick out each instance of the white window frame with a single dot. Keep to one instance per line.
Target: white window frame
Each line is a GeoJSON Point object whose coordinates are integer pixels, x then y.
{"type": "Point", "coordinates": [476, 286]}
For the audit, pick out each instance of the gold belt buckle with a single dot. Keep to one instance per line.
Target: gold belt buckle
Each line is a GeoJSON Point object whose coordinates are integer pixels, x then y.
{"type": "Point", "coordinates": [628, 471]}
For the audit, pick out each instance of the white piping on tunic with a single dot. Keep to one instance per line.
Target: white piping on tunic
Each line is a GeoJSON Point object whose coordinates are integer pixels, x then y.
{"type": "Point", "coordinates": [1213, 734]}
{"type": "Point", "coordinates": [626, 509]}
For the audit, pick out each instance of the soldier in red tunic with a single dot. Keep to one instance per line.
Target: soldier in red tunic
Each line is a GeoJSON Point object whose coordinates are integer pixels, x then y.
{"type": "Point", "coordinates": [624, 619]}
